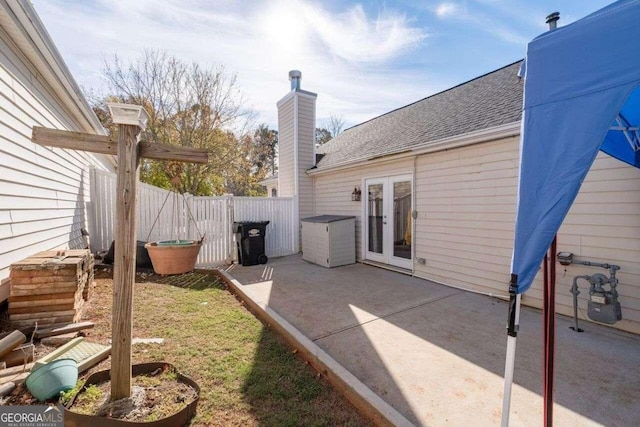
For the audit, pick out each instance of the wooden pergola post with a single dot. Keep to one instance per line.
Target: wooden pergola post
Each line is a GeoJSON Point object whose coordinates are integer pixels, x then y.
{"type": "Point", "coordinates": [124, 269]}
{"type": "Point", "coordinates": [131, 120]}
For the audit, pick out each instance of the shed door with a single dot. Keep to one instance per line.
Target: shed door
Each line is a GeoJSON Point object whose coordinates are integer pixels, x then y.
{"type": "Point", "coordinates": [388, 226]}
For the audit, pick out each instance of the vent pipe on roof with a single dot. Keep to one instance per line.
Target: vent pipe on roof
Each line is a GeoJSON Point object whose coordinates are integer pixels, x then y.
{"type": "Point", "coordinates": [295, 77]}
{"type": "Point", "coordinates": [552, 20]}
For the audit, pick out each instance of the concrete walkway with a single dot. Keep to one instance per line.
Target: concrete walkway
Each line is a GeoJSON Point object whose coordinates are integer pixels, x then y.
{"type": "Point", "coordinates": [436, 354]}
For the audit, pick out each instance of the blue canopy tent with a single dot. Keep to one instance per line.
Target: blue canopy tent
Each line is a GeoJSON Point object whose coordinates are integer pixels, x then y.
{"type": "Point", "coordinates": [581, 95]}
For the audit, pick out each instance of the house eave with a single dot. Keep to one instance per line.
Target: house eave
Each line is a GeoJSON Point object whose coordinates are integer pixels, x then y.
{"type": "Point", "coordinates": [28, 33]}
{"type": "Point", "coordinates": [470, 138]}
{"type": "Point", "coordinates": [45, 57]}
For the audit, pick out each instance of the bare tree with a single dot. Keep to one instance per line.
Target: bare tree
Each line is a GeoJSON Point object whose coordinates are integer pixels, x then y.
{"type": "Point", "coordinates": [188, 105]}
{"type": "Point", "coordinates": [322, 136]}
{"type": "Point", "coordinates": [334, 125]}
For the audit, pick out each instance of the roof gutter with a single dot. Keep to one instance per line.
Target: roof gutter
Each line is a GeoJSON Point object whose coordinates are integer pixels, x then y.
{"type": "Point", "coordinates": [470, 138]}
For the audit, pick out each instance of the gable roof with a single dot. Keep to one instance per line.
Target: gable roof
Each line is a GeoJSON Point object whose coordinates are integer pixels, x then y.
{"type": "Point", "coordinates": [487, 101]}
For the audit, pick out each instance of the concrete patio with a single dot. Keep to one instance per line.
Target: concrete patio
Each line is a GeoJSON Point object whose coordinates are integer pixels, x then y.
{"type": "Point", "coordinates": [436, 354]}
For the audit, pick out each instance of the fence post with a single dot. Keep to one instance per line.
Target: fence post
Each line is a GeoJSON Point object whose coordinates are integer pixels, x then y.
{"type": "Point", "coordinates": [231, 235]}
{"type": "Point", "coordinates": [189, 226]}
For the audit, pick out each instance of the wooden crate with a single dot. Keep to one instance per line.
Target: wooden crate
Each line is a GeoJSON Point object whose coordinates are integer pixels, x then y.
{"type": "Point", "coordinates": [50, 287]}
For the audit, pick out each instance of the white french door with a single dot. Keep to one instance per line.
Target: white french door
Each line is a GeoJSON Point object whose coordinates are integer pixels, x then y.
{"type": "Point", "coordinates": [388, 231]}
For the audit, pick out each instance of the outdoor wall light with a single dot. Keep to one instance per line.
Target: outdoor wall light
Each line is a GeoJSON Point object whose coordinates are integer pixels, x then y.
{"type": "Point", "coordinates": [128, 114]}
{"type": "Point", "coordinates": [356, 195]}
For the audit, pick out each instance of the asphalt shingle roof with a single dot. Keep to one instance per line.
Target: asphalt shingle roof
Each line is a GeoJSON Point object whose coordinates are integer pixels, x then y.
{"type": "Point", "coordinates": [487, 101]}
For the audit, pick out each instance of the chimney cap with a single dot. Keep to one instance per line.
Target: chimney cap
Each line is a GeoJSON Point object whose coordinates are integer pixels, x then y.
{"type": "Point", "coordinates": [552, 20]}
{"type": "Point", "coordinates": [295, 74]}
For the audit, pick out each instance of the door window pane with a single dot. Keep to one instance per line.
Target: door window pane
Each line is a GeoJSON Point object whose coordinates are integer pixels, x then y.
{"type": "Point", "coordinates": [402, 219]}
{"type": "Point", "coordinates": [375, 209]}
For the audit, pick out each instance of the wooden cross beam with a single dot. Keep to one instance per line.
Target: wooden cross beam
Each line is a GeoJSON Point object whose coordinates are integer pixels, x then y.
{"type": "Point", "coordinates": [108, 145]}
{"type": "Point", "coordinates": [129, 149]}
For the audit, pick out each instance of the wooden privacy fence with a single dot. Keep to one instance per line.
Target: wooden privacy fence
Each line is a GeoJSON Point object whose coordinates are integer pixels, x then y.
{"type": "Point", "coordinates": [214, 217]}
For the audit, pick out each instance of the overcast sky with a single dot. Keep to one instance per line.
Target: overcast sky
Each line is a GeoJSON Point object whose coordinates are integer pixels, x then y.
{"type": "Point", "coordinates": [361, 58]}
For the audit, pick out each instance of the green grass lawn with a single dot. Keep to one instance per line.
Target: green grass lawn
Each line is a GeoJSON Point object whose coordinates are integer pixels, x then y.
{"type": "Point", "coordinates": [247, 374]}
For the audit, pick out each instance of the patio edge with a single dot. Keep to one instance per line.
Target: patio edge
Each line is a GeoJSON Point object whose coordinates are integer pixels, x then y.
{"type": "Point", "coordinates": [361, 396]}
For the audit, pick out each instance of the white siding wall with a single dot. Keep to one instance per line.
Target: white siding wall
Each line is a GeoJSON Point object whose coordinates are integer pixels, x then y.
{"type": "Point", "coordinates": [603, 225]}
{"type": "Point", "coordinates": [466, 201]}
{"type": "Point", "coordinates": [333, 191]}
{"type": "Point", "coordinates": [306, 141]}
{"type": "Point", "coordinates": [43, 192]}
{"type": "Point", "coordinates": [271, 189]}
{"type": "Point", "coordinates": [466, 209]}
{"type": "Point", "coordinates": [286, 186]}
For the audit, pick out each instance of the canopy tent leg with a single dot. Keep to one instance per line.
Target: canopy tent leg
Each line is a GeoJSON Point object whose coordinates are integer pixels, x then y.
{"type": "Point", "coordinates": [508, 378]}
{"type": "Point", "coordinates": [549, 326]}
{"type": "Point", "coordinates": [512, 331]}
{"type": "Point", "coordinates": [548, 313]}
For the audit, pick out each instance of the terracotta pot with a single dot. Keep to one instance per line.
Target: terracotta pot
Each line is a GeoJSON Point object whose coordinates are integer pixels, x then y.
{"type": "Point", "coordinates": [181, 418]}
{"type": "Point", "coordinates": [173, 259]}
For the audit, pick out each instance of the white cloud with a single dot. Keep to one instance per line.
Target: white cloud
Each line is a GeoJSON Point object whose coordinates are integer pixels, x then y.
{"type": "Point", "coordinates": [447, 9]}
{"type": "Point", "coordinates": [260, 41]}
{"type": "Point", "coordinates": [481, 21]}
{"type": "Point", "coordinates": [355, 37]}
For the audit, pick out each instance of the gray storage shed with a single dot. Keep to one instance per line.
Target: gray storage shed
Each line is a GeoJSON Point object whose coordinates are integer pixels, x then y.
{"type": "Point", "coordinates": [329, 240]}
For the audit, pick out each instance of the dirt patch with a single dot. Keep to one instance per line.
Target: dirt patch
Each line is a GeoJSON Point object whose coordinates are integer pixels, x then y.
{"type": "Point", "coordinates": [154, 396]}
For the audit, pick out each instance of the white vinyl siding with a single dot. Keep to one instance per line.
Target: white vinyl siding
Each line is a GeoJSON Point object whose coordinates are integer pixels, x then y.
{"type": "Point", "coordinates": [466, 200]}
{"type": "Point", "coordinates": [333, 190]}
{"type": "Point", "coordinates": [603, 225]}
{"type": "Point", "coordinates": [286, 183]}
{"type": "Point", "coordinates": [43, 192]}
{"type": "Point", "coordinates": [306, 141]}
{"type": "Point", "coordinates": [272, 189]}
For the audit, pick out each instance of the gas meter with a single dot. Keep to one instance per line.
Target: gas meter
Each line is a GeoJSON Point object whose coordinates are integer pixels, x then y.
{"type": "Point", "coordinates": [603, 305]}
